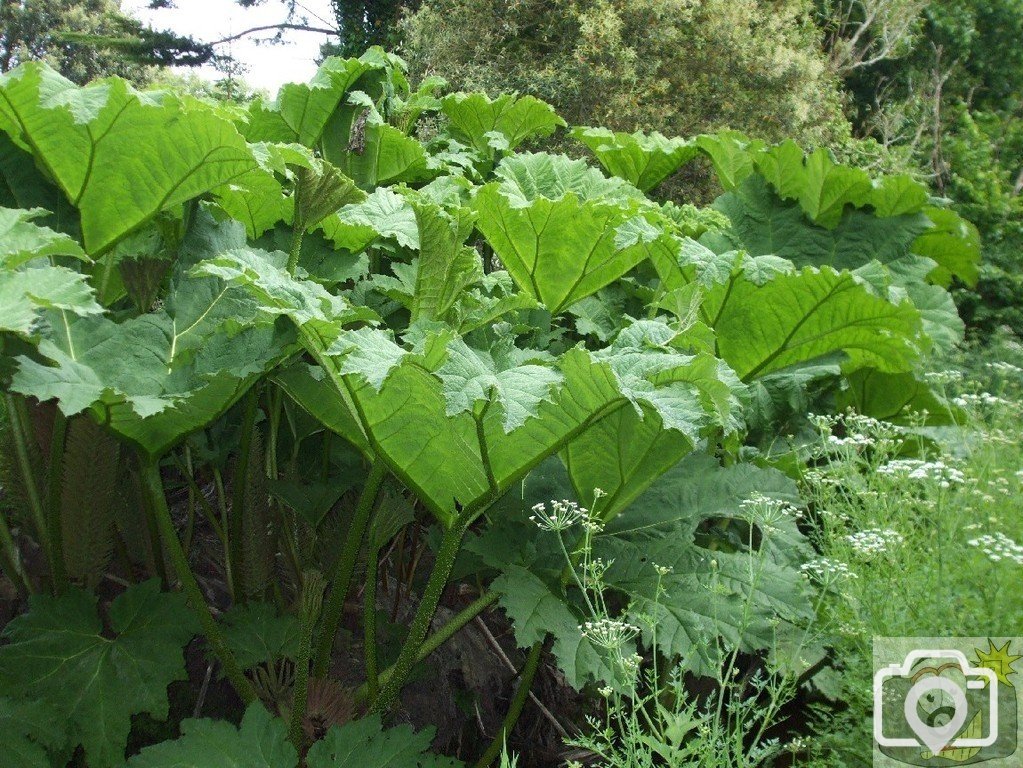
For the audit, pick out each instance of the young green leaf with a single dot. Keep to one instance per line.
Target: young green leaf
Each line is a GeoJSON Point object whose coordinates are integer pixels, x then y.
{"type": "Point", "coordinates": [301, 112]}
{"type": "Point", "coordinates": [367, 744]}
{"type": "Point", "coordinates": [257, 634]}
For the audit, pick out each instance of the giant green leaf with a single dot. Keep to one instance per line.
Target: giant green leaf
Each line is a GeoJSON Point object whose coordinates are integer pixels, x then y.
{"type": "Point", "coordinates": [120, 156]}
{"type": "Point", "coordinates": [397, 399]}
{"type": "Point", "coordinates": [21, 240]}
{"type": "Point", "coordinates": [537, 609]}
{"type": "Point", "coordinates": [797, 317]}
{"type": "Point", "coordinates": [644, 160]}
{"type": "Point", "coordinates": [156, 377]}
{"type": "Point", "coordinates": [557, 225]}
{"type": "Point", "coordinates": [504, 122]}
{"type": "Point", "coordinates": [301, 111]}
{"type": "Point", "coordinates": [953, 243]}
{"type": "Point", "coordinates": [29, 730]}
{"type": "Point", "coordinates": [28, 289]}
{"type": "Point", "coordinates": [900, 398]}
{"type": "Point", "coordinates": [499, 376]}
{"type": "Point", "coordinates": [763, 223]}
{"type": "Point", "coordinates": [377, 153]}
{"type": "Point", "coordinates": [60, 652]}
{"type": "Point", "coordinates": [26, 293]}
{"type": "Point", "coordinates": [691, 523]}
{"type": "Point", "coordinates": [446, 266]}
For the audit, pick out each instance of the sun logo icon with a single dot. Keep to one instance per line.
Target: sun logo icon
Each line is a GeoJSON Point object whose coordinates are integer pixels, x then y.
{"type": "Point", "coordinates": [999, 660]}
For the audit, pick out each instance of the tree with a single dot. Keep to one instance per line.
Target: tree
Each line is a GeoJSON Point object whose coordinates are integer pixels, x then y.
{"type": "Point", "coordinates": [862, 33]}
{"type": "Point", "coordinates": [86, 39]}
{"type": "Point", "coordinates": [678, 67]}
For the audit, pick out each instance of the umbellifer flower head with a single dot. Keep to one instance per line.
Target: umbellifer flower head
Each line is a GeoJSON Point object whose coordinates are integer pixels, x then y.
{"type": "Point", "coordinates": [557, 515]}
{"type": "Point", "coordinates": [609, 633]}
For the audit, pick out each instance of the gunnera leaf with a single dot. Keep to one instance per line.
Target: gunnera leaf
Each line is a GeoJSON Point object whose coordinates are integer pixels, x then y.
{"type": "Point", "coordinates": [98, 678]}
{"type": "Point", "coordinates": [260, 742]}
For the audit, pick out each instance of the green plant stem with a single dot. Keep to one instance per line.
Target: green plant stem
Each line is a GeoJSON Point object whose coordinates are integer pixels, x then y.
{"type": "Point", "coordinates": [515, 709]}
{"type": "Point", "coordinates": [11, 561]}
{"type": "Point", "coordinates": [297, 233]}
{"type": "Point", "coordinates": [345, 568]}
{"type": "Point", "coordinates": [152, 487]}
{"type": "Point", "coordinates": [54, 482]}
{"type": "Point", "coordinates": [312, 601]}
{"type": "Point", "coordinates": [420, 625]}
{"type": "Point", "coordinates": [17, 413]}
{"type": "Point", "coordinates": [437, 639]}
{"type": "Point", "coordinates": [236, 521]}
{"type": "Point", "coordinates": [369, 622]}
{"type": "Point", "coordinates": [153, 527]}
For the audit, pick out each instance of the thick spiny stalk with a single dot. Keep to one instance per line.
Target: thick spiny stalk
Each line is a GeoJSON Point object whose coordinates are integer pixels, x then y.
{"type": "Point", "coordinates": [515, 709]}
{"type": "Point", "coordinates": [436, 640]}
{"type": "Point", "coordinates": [312, 602]}
{"type": "Point", "coordinates": [445, 561]}
{"type": "Point", "coordinates": [236, 526]}
{"type": "Point", "coordinates": [55, 477]}
{"type": "Point", "coordinates": [345, 568]}
{"type": "Point", "coordinates": [369, 620]}
{"type": "Point", "coordinates": [152, 487]}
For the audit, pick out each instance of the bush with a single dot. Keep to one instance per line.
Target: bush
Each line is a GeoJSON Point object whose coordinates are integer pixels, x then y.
{"type": "Point", "coordinates": [677, 67]}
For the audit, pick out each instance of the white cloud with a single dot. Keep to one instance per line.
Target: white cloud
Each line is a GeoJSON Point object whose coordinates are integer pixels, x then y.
{"type": "Point", "coordinates": [269, 66]}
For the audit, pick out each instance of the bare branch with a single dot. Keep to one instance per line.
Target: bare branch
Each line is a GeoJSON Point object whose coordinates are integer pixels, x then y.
{"type": "Point", "coordinates": [281, 26]}
{"type": "Point", "coordinates": [861, 33]}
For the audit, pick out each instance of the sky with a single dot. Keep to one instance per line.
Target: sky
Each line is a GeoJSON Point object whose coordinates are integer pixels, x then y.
{"type": "Point", "coordinates": [269, 66]}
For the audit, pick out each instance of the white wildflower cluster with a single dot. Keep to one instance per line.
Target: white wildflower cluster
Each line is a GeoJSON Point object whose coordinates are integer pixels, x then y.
{"type": "Point", "coordinates": [557, 516]}
{"type": "Point", "coordinates": [827, 570]}
{"type": "Point", "coordinates": [915, 469]}
{"type": "Point", "coordinates": [1019, 474]}
{"type": "Point", "coordinates": [828, 514]}
{"type": "Point", "coordinates": [857, 431]}
{"type": "Point", "coordinates": [853, 439]}
{"type": "Point", "coordinates": [1006, 369]}
{"type": "Point", "coordinates": [874, 541]}
{"type": "Point", "coordinates": [609, 633]}
{"type": "Point", "coordinates": [997, 547]}
{"type": "Point", "coordinates": [978, 400]}
{"type": "Point", "coordinates": [768, 512]}
{"type": "Point", "coordinates": [596, 568]}
{"type": "Point", "coordinates": [943, 378]}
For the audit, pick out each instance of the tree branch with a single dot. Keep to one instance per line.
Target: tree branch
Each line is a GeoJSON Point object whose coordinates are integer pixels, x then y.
{"type": "Point", "coordinates": [281, 26]}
